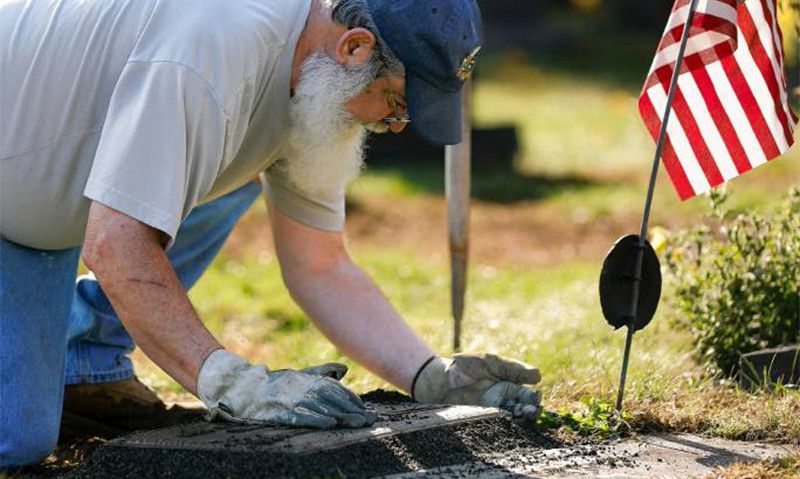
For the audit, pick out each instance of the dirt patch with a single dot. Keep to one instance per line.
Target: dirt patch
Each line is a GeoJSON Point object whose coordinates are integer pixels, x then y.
{"type": "Point", "coordinates": [383, 396]}
{"type": "Point", "coordinates": [525, 233]}
{"type": "Point", "coordinates": [66, 458]}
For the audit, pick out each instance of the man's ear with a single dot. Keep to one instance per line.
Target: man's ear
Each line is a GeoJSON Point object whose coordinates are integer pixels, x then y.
{"type": "Point", "coordinates": [355, 47]}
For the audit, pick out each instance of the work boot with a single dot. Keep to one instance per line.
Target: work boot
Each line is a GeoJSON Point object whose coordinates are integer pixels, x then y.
{"type": "Point", "coordinates": [114, 408]}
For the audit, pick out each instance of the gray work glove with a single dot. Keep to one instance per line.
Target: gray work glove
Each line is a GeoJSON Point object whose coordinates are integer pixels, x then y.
{"type": "Point", "coordinates": [329, 370]}
{"type": "Point", "coordinates": [480, 380]}
{"type": "Point", "coordinates": [234, 390]}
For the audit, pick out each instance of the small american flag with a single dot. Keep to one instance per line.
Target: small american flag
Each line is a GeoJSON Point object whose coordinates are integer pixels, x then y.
{"type": "Point", "coordinates": [731, 109]}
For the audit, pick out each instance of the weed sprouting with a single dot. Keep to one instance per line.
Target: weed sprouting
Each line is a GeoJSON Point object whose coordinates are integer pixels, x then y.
{"type": "Point", "coordinates": [599, 419]}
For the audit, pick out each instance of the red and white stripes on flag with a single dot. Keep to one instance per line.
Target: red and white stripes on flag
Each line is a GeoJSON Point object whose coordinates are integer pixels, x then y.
{"type": "Point", "coordinates": [731, 109]}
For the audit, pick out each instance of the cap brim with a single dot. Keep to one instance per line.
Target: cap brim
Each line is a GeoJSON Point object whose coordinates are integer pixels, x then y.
{"type": "Point", "coordinates": [435, 114]}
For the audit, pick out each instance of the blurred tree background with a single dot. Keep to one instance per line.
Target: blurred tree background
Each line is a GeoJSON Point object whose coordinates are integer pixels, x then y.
{"type": "Point", "coordinates": [567, 27]}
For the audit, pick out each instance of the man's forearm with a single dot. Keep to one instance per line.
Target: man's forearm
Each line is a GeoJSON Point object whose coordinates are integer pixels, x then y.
{"type": "Point", "coordinates": [354, 314]}
{"type": "Point", "coordinates": [147, 296]}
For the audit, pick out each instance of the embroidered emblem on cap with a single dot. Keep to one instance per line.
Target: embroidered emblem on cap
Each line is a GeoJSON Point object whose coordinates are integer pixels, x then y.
{"type": "Point", "coordinates": [464, 71]}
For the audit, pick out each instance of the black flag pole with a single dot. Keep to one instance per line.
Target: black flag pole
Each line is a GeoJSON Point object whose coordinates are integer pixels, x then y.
{"type": "Point", "coordinates": [641, 244]}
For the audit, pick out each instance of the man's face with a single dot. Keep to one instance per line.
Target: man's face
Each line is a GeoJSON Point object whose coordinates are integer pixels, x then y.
{"type": "Point", "coordinates": [377, 101]}
{"type": "Point", "coordinates": [325, 147]}
{"type": "Point", "coordinates": [337, 100]}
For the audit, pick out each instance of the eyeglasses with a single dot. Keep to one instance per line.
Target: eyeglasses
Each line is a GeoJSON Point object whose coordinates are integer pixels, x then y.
{"type": "Point", "coordinates": [397, 118]}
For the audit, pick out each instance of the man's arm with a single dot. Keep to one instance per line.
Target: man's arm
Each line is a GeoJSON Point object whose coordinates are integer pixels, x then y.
{"type": "Point", "coordinates": [350, 310]}
{"type": "Point", "coordinates": [129, 261]}
{"type": "Point", "coordinates": [127, 257]}
{"type": "Point", "coordinates": [345, 303]}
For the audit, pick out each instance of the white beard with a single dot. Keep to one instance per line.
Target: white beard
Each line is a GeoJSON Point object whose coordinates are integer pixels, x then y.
{"type": "Point", "coordinates": [325, 149]}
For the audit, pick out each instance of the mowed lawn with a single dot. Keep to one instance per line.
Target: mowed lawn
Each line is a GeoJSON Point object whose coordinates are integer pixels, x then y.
{"type": "Point", "coordinates": [532, 291]}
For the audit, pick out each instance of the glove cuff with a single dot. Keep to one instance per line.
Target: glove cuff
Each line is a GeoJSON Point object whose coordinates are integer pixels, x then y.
{"type": "Point", "coordinates": [215, 374]}
{"type": "Point", "coordinates": [430, 383]}
{"type": "Point", "coordinates": [416, 376]}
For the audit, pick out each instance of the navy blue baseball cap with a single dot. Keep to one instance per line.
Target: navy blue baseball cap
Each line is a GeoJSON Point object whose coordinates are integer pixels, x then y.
{"type": "Point", "coordinates": [437, 41]}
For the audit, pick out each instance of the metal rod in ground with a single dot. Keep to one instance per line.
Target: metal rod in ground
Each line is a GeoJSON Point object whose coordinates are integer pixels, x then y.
{"type": "Point", "coordinates": [458, 159]}
{"type": "Point", "coordinates": [637, 278]}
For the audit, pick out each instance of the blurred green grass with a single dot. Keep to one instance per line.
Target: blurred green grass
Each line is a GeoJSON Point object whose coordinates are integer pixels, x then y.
{"type": "Point", "coordinates": [548, 316]}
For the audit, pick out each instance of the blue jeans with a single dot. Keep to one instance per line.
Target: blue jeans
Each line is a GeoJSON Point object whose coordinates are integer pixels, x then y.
{"type": "Point", "coordinates": [54, 330]}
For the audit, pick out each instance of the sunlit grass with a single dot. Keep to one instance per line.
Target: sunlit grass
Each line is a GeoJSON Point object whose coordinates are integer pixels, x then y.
{"type": "Point", "coordinates": [785, 468]}
{"type": "Point", "coordinates": [549, 317]}
{"type": "Point", "coordinates": [566, 126]}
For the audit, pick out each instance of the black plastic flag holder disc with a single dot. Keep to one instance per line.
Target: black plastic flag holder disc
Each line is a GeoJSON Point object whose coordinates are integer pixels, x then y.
{"type": "Point", "coordinates": [618, 278]}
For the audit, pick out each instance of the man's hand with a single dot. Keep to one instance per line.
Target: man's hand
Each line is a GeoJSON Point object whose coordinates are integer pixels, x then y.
{"type": "Point", "coordinates": [485, 380]}
{"type": "Point", "coordinates": [234, 390]}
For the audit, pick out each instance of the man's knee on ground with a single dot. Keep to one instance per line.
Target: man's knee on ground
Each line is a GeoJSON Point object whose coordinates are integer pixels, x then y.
{"type": "Point", "coordinates": [27, 446]}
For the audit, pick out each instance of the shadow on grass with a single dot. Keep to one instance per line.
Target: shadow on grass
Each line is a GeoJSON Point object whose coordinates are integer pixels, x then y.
{"type": "Point", "coordinates": [717, 456]}
{"type": "Point", "coordinates": [421, 166]}
{"type": "Point", "coordinates": [501, 185]}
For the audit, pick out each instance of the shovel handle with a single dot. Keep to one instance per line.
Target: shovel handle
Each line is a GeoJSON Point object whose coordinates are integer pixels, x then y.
{"type": "Point", "coordinates": [457, 190]}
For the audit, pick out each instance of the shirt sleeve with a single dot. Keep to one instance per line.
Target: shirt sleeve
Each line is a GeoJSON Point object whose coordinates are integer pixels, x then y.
{"type": "Point", "coordinates": [161, 146]}
{"type": "Point", "coordinates": [324, 211]}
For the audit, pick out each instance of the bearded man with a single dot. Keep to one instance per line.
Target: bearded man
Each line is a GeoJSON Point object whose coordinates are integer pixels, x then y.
{"type": "Point", "coordinates": [131, 134]}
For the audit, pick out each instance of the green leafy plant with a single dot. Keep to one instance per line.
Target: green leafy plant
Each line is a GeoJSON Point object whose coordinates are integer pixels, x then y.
{"type": "Point", "coordinates": [598, 419]}
{"type": "Point", "coordinates": [737, 287]}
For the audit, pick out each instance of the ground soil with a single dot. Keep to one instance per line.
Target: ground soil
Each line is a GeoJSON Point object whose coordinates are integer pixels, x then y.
{"type": "Point", "coordinates": [532, 234]}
